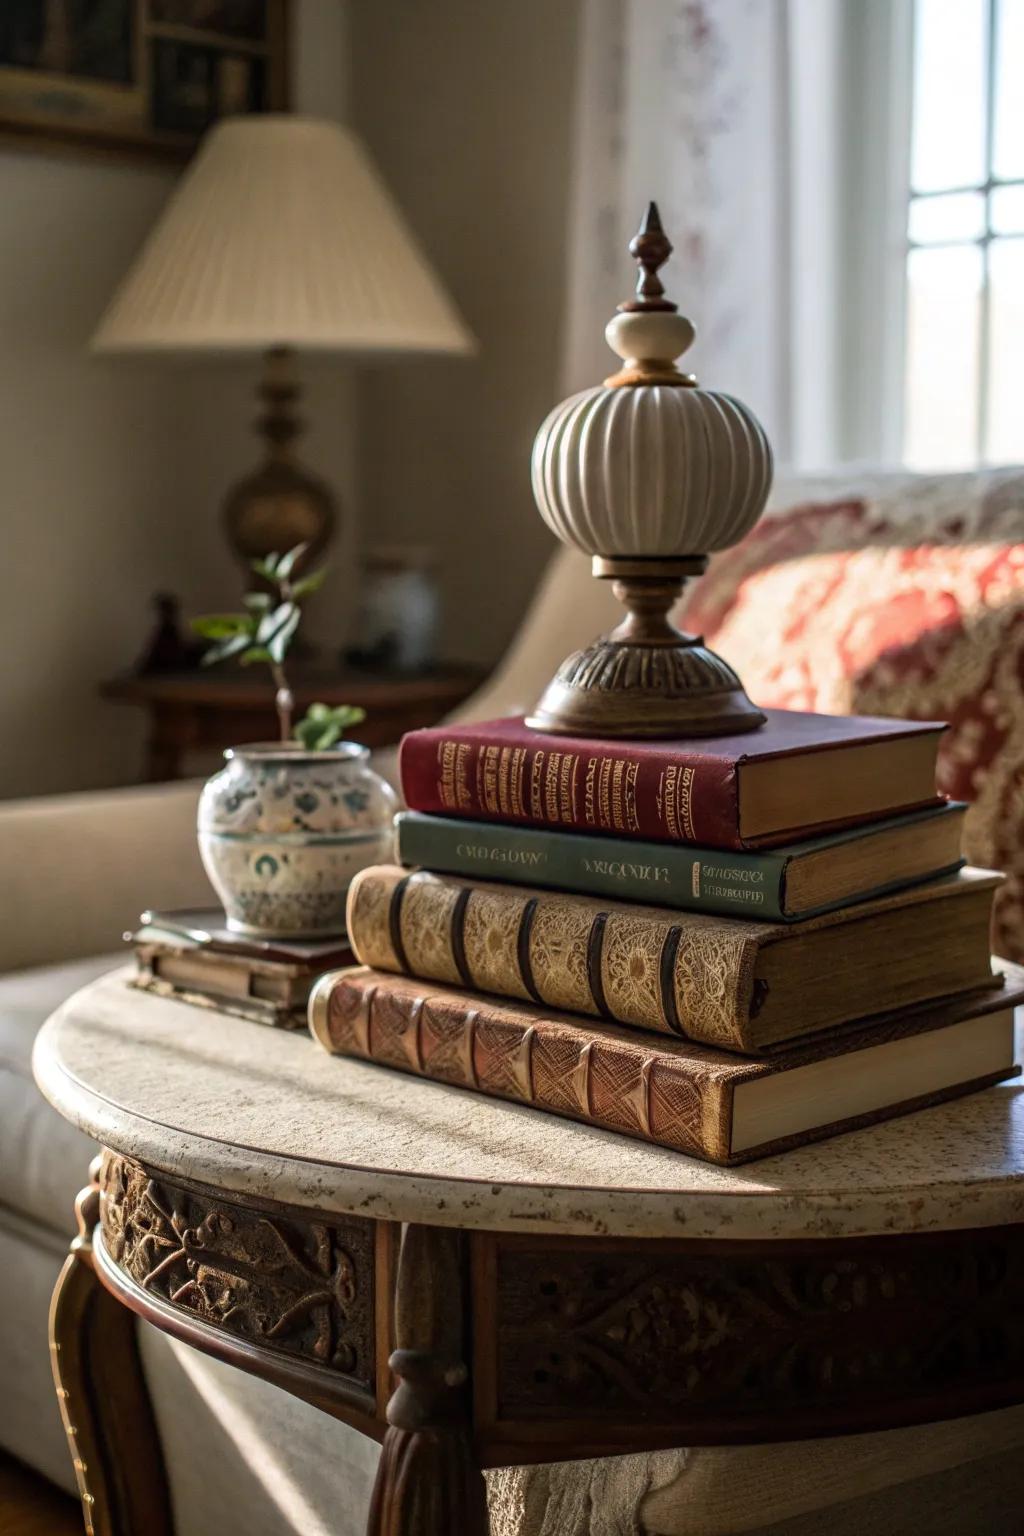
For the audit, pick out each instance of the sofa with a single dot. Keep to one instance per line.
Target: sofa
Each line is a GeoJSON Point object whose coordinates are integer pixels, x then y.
{"type": "Point", "coordinates": [816, 609]}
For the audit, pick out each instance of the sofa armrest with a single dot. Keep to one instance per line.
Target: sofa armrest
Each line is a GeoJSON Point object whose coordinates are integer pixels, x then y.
{"type": "Point", "coordinates": [78, 869]}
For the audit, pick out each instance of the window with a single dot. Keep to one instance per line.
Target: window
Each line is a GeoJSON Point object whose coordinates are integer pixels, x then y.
{"type": "Point", "coordinates": [963, 396]}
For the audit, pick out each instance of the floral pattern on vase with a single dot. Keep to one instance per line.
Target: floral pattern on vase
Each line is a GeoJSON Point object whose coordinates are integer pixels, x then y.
{"type": "Point", "coordinates": [283, 830]}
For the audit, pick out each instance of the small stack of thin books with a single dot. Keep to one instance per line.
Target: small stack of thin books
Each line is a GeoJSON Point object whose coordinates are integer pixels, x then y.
{"type": "Point", "coordinates": [195, 957]}
{"type": "Point", "coordinates": [728, 946]}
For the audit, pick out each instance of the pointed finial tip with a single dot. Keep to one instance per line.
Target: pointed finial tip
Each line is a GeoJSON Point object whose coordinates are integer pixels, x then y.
{"type": "Point", "coordinates": [652, 221]}
{"type": "Point", "coordinates": [650, 247]}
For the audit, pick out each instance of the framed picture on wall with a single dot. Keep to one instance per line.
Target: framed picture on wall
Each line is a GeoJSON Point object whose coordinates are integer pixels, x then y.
{"type": "Point", "coordinates": [145, 75]}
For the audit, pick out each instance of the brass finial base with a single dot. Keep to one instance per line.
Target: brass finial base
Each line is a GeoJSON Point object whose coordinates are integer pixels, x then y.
{"type": "Point", "coordinates": [647, 678]}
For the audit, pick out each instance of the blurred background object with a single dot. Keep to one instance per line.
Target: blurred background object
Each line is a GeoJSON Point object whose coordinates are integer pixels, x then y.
{"type": "Point", "coordinates": [397, 619]}
{"type": "Point", "coordinates": [280, 237]}
{"type": "Point", "coordinates": [803, 157]}
{"type": "Point", "coordinates": [145, 76]}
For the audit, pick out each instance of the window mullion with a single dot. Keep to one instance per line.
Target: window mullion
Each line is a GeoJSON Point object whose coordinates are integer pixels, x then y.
{"type": "Point", "coordinates": [984, 307]}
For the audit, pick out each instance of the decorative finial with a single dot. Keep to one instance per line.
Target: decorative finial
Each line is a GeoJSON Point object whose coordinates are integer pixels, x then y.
{"type": "Point", "coordinates": [650, 247]}
{"type": "Point", "coordinates": [647, 333]}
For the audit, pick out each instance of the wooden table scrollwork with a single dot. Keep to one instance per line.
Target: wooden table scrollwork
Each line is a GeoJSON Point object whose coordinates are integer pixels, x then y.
{"type": "Point", "coordinates": [470, 1322]}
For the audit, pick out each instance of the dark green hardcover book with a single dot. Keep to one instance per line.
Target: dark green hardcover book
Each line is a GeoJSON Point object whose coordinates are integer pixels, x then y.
{"type": "Point", "coordinates": [780, 884]}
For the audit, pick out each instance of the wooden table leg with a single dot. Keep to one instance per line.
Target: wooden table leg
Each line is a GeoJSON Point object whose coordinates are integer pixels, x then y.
{"type": "Point", "coordinates": [102, 1394]}
{"type": "Point", "coordinates": [429, 1482]}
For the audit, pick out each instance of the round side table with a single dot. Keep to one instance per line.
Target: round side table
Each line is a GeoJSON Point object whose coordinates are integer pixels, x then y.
{"type": "Point", "coordinates": [477, 1284]}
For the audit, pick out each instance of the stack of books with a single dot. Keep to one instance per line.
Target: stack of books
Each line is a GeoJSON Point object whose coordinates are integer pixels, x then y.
{"type": "Point", "coordinates": [727, 946]}
{"type": "Point", "coordinates": [194, 956]}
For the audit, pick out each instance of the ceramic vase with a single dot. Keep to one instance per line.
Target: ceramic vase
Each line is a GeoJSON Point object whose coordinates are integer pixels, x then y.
{"type": "Point", "coordinates": [282, 831]}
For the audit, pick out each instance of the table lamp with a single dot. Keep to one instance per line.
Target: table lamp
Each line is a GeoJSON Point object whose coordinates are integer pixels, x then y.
{"type": "Point", "coordinates": [280, 237]}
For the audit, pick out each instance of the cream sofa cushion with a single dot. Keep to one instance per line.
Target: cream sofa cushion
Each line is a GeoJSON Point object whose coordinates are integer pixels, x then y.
{"type": "Point", "coordinates": [46, 1160]}
{"type": "Point", "coordinates": [78, 869]}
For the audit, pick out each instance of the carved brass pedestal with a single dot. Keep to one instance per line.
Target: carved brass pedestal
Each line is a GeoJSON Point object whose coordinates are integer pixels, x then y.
{"type": "Point", "coordinates": [464, 1350]}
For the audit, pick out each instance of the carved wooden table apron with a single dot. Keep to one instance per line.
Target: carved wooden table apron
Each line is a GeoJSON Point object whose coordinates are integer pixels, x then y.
{"type": "Point", "coordinates": [479, 1285]}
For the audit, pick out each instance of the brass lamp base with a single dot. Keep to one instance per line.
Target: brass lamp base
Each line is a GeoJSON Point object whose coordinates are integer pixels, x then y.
{"type": "Point", "coordinates": [647, 678]}
{"type": "Point", "coordinates": [280, 504]}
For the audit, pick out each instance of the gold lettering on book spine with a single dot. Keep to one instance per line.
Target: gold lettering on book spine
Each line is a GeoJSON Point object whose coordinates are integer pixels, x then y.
{"type": "Point", "coordinates": [686, 783]}
{"type": "Point", "coordinates": [492, 756]}
{"type": "Point", "coordinates": [567, 788]}
{"type": "Point", "coordinates": [668, 801]}
{"type": "Point", "coordinates": [537, 760]}
{"type": "Point", "coordinates": [505, 782]}
{"type": "Point", "coordinates": [618, 802]}
{"type": "Point", "coordinates": [632, 774]}
{"type": "Point", "coordinates": [551, 787]}
{"type": "Point", "coordinates": [604, 798]}
{"type": "Point", "coordinates": [590, 792]}
{"type": "Point", "coordinates": [446, 775]}
{"type": "Point", "coordinates": [452, 783]}
{"type": "Point", "coordinates": [517, 782]}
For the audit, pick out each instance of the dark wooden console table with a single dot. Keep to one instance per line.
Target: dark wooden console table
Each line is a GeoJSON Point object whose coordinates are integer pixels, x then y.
{"type": "Point", "coordinates": [203, 711]}
{"type": "Point", "coordinates": [506, 1287]}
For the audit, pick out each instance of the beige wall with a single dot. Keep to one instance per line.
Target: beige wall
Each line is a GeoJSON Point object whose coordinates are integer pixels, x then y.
{"type": "Point", "coordinates": [111, 472]}
{"type": "Point", "coordinates": [467, 105]}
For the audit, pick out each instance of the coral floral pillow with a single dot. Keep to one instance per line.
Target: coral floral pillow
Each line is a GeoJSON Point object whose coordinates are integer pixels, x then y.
{"type": "Point", "coordinates": [848, 608]}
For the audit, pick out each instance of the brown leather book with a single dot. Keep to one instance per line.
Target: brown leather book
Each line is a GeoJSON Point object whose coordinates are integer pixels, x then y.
{"type": "Point", "coordinates": [728, 982]}
{"type": "Point", "coordinates": [708, 1104]}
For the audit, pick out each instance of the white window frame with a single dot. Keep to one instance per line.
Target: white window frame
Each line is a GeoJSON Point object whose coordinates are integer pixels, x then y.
{"type": "Point", "coordinates": [879, 101]}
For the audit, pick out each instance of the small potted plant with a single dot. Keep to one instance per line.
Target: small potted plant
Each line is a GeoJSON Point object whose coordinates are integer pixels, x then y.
{"type": "Point", "coordinates": [286, 824]}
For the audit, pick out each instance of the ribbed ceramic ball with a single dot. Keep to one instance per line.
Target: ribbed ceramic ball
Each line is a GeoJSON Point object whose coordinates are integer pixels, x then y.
{"type": "Point", "coordinates": [651, 470]}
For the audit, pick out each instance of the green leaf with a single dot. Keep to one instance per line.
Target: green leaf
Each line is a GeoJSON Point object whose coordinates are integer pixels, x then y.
{"type": "Point", "coordinates": [255, 653]}
{"type": "Point", "coordinates": [315, 735]}
{"type": "Point", "coordinates": [288, 562]}
{"type": "Point", "coordinates": [217, 626]}
{"type": "Point", "coordinates": [311, 583]}
{"type": "Point", "coordinates": [281, 639]}
{"type": "Point", "coordinates": [274, 620]}
{"type": "Point", "coordinates": [267, 566]}
{"type": "Point", "coordinates": [259, 602]}
{"type": "Point", "coordinates": [323, 724]}
{"type": "Point", "coordinates": [345, 715]}
{"type": "Point", "coordinates": [225, 648]}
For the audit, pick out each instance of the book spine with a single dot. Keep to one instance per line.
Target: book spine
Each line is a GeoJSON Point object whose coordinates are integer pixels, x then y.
{"type": "Point", "coordinates": [627, 964]}
{"type": "Point", "coordinates": [694, 879]}
{"type": "Point", "coordinates": [629, 791]}
{"type": "Point", "coordinates": [551, 1064]}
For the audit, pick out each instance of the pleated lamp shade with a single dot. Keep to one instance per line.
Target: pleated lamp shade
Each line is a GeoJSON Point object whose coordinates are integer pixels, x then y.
{"type": "Point", "coordinates": [281, 234]}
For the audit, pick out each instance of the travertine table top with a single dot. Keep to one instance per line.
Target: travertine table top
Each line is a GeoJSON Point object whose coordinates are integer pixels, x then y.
{"type": "Point", "coordinates": [267, 1113]}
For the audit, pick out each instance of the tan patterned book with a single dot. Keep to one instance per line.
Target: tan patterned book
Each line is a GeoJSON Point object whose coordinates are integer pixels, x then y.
{"type": "Point", "coordinates": [709, 1104]}
{"type": "Point", "coordinates": [728, 982]}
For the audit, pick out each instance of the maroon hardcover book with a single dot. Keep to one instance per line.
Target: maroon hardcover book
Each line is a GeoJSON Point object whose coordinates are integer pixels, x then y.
{"type": "Point", "coordinates": [798, 773]}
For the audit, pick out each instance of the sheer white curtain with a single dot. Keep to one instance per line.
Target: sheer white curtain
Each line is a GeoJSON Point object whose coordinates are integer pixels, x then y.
{"type": "Point", "coordinates": [760, 127]}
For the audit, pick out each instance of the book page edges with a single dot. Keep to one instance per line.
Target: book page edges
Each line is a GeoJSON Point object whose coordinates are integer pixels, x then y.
{"type": "Point", "coordinates": [842, 1087]}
